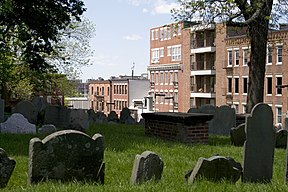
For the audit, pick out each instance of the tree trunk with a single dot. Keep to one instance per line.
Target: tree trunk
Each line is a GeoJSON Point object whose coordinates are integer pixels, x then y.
{"type": "Point", "coordinates": [258, 32]}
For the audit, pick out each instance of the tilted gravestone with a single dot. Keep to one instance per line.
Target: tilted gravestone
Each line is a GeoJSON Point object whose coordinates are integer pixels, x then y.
{"type": "Point", "coordinates": [147, 166]}
{"type": "Point", "coordinates": [259, 145]}
{"type": "Point", "coordinates": [216, 168]}
{"type": "Point", "coordinates": [17, 123]}
{"type": "Point", "coordinates": [281, 139]}
{"type": "Point", "coordinates": [27, 109]}
{"type": "Point", "coordinates": [7, 166]}
{"type": "Point", "coordinates": [238, 135]}
{"type": "Point", "coordinates": [67, 155]}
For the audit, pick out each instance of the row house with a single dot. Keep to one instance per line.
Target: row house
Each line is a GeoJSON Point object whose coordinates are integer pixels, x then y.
{"type": "Point", "coordinates": [117, 92]}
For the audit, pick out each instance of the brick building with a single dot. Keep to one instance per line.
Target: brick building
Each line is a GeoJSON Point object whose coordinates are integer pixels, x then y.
{"type": "Point", "coordinates": [117, 92]}
{"type": "Point", "coordinates": [197, 64]}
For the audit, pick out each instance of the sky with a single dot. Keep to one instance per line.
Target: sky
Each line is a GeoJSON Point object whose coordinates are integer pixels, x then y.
{"type": "Point", "coordinates": [122, 35]}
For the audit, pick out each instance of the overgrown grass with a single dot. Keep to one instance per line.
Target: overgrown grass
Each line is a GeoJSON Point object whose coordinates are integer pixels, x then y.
{"type": "Point", "coordinates": [122, 143]}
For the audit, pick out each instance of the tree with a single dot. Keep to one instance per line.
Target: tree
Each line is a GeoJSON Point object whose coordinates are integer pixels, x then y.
{"type": "Point", "coordinates": [256, 15]}
{"type": "Point", "coordinates": [73, 51]}
{"type": "Point", "coordinates": [28, 32]}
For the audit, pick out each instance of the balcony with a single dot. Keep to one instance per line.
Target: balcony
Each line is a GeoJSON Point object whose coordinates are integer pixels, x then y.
{"type": "Point", "coordinates": [202, 91]}
{"type": "Point", "coordinates": [197, 68]}
{"type": "Point", "coordinates": [201, 45]}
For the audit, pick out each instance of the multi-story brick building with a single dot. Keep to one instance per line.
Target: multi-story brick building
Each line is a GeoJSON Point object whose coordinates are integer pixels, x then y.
{"type": "Point", "coordinates": [117, 92]}
{"type": "Point", "coordinates": [197, 64]}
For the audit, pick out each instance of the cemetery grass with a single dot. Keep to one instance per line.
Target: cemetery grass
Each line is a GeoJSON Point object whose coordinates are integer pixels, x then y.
{"type": "Point", "coordinates": [122, 143]}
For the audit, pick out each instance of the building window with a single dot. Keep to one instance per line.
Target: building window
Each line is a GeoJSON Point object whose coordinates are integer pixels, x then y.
{"type": "Point", "coordinates": [269, 55]}
{"type": "Point", "coordinates": [230, 58]}
{"type": "Point", "coordinates": [155, 55]}
{"type": "Point", "coordinates": [236, 57]}
{"type": "Point", "coordinates": [161, 78]}
{"type": "Point", "coordinates": [278, 82]}
{"type": "Point", "coordinates": [161, 34]}
{"type": "Point", "coordinates": [176, 53]}
{"type": "Point", "coordinates": [108, 91]}
{"type": "Point", "coordinates": [92, 90]}
{"type": "Point", "coordinates": [176, 77]}
{"type": "Point", "coordinates": [278, 114]}
{"type": "Point", "coordinates": [279, 54]}
{"type": "Point", "coordinates": [152, 35]}
{"type": "Point", "coordinates": [156, 78]}
{"type": "Point", "coordinates": [245, 85]}
{"type": "Point", "coordinates": [103, 90]}
{"type": "Point", "coordinates": [229, 90]}
{"type": "Point", "coordinates": [169, 33]}
{"type": "Point", "coordinates": [169, 51]}
{"type": "Point", "coordinates": [166, 78]}
{"type": "Point", "coordinates": [245, 57]}
{"type": "Point", "coordinates": [156, 34]}
{"type": "Point", "coordinates": [179, 29]}
{"type": "Point", "coordinates": [243, 108]}
{"type": "Point", "coordinates": [161, 52]}
{"type": "Point", "coordinates": [268, 85]}
{"type": "Point", "coordinates": [152, 77]}
{"type": "Point", "coordinates": [171, 78]}
{"type": "Point", "coordinates": [236, 85]}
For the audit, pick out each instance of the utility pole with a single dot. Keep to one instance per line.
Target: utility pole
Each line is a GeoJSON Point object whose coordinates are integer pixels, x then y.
{"type": "Point", "coordinates": [132, 68]}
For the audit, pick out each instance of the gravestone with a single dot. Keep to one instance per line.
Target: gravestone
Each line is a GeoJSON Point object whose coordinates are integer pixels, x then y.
{"type": "Point", "coordinates": [147, 166]}
{"type": "Point", "coordinates": [208, 109]}
{"type": "Point", "coordinates": [193, 110]}
{"type": "Point", "coordinates": [124, 114]}
{"type": "Point", "coordinates": [78, 119]}
{"type": "Point", "coordinates": [286, 123]}
{"type": "Point", "coordinates": [216, 168]}
{"type": "Point", "coordinates": [224, 119]}
{"type": "Point", "coordinates": [259, 145]}
{"type": "Point", "coordinates": [7, 166]}
{"type": "Point", "coordinates": [17, 123]}
{"type": "Point", "coordinates": [281, 139]}
{"type": "Point", "coordinates": [40, 103]}
{"type": "Point", "coordinates": [27, 109]}
{"type": "Point", "coordinates": [113, 117]}
{"type": "Point", "coordinates": [66, 155]}
{"type": "Point", "coordinates": [238, 135]}
{"type": "Point", "coordinates": [58, 116]}
{"type": "Point", "coordinates": [47, 129]}
{"type": "Point", "coordinates": [101, 117]}
{"type": "Point", "coordinates": [2, 107]}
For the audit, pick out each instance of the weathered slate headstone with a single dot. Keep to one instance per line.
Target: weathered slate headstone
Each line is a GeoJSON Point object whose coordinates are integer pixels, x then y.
{"type": "Point", "coordinates": [40, 103]}
{"type": "Point", "coordinates": [224, 119]}
{"type": "Point", "coordinates": [193, 110]}
{"type": "Point", "coordinates": [7, 166]}
{"type": "Point", "coordinates": [58, 116]}
{"type": "Point", "coordinates": [101, 117]}
{"type": "Point", "coordinates": [66, 156]}
{"type": "Point", "coordinates": [208, 109]}
{"type": "Point", "coordinates": [17, 123]}
{"type": "Point", "coordinates": [259, 145]}
{"type": "Point", "coordinates": [47, 129]}
{"type": "Point", "coordinates": [147, 166]}
{"type": "Point", "coordinates": [27, 109]}
{"type": "Point", "coordinates": [281, 139]}
{"type": "Point", "coordinates": [113, 117]}
{"type": "Point", "coordinates": [78, 119]}
{"type": "Point", "coordinates": [238, 135]}
{"type": "Point", "coordinates": [124, 114]}
{"type": "Point", "coordinates": [216, 168]}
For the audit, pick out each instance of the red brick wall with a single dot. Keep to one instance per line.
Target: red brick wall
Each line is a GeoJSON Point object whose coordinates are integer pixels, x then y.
{"type": "Point", "coordinates": [177, 131]}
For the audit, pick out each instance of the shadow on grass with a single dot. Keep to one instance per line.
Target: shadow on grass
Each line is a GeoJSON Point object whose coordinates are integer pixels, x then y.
{"type": "Point", "coordinates": [117, 137]}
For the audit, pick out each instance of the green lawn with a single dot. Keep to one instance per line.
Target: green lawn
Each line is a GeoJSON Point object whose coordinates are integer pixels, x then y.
{"type": "Point", "coordinates": [122, 143]}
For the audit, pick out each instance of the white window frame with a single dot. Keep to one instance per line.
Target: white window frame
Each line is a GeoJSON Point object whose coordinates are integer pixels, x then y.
{"type": "Point", "coordinates": [276, 81]}
{"type": "Point", "coordinates": [161, 52]}
{"type": "Point", "coordinates": [278, 55]}
{"type": "Point", "coordinates": [278, 117]}
{"type": "Point", "coordinates": [244, 77]}
{"type": "Point", "coordinates": [269, 53]}
{"type": "Point", "coordinates": [236, 57]}
{"type": "Point", "coordinates": [244, 56]}
{"type": "Point", "coordinates": [229, 77]}
{"type": "Point", "coordinates": [229, 59]}
{"type": "Point", "coordinates": [169, 51]}
{"type": "Point", "coordinates": [152, 35]}
{"type": "Point", "coordinates": [266, 79]}
{"type": "Point", "coordinates": [176, 53]}
{"type": "Point", "coordinates": [236, 77]}
{"type": "Point", "coordinates": [156, 34]}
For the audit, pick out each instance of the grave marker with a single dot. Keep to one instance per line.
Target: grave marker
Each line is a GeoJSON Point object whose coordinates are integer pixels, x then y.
{"type": "Point", "coordinates": [7, 166]}
{"type": "Point", "coordinates": [259, 145]}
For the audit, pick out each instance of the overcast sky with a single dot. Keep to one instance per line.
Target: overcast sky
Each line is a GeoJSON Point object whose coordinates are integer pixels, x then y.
{"type": "Point", "coordinates": [122, 34]}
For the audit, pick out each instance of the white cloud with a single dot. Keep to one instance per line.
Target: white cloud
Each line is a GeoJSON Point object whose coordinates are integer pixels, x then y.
{"type": "Point", "coordinates": [156, 6]}
{"type": "Point", "coordinates": [144, 10]}
{"type": "Point", "coordinates": [102, 60]}
{"type": "Point", "coordinates": [133, 37]}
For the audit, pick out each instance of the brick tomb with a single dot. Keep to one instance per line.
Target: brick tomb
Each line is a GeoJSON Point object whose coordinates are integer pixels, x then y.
{"type": "Point", "coordinates": [184, 127]}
